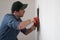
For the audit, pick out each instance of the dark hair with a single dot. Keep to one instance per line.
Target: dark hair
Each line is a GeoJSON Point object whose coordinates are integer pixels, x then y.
{"type": "Point", "coordinates": [16, 6]}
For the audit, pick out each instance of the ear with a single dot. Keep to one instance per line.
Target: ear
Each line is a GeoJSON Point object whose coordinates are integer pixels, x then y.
{"type": "Point", "coordinates": [15, 11]}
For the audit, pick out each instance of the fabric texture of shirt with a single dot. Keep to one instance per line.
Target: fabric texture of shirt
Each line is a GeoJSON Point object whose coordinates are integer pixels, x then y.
{"type": "Point", "coordinates": [9, 27]}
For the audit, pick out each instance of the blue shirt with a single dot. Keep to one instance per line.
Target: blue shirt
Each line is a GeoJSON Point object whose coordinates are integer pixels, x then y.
{"type": "Point", "coordinates": [9, 27]}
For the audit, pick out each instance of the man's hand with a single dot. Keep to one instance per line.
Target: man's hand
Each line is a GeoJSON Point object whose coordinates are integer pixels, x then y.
{"type": "Point", "coordinates": [36, 21]}
{"type": "Point", "coordinates": [30, 30]}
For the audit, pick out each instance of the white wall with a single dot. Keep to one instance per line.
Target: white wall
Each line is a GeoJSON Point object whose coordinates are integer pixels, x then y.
{"type": "Point", "coordinates": [5, 6]}
{"type": "Point", "coordinates": [50, 19]}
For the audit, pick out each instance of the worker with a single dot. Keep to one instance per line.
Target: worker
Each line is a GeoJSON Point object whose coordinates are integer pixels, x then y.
{"type": "Point", "coordinates": [12, 23]}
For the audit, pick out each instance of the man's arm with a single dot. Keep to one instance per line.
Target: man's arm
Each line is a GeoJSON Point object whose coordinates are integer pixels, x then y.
{"type": "Point", "coordinates": [23, 24]}
{"type": "Point", "coordinates": [30, 30]}
{"type": "Point", "coordinates": [27, 31]}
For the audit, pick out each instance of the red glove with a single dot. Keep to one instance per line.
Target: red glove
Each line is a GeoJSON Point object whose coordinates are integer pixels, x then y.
{"type": "Point", "coordinates": [36, 21]}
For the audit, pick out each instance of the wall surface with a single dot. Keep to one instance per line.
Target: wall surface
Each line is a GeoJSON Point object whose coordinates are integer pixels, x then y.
{"type": "Point", "coordinates": [50, 19]}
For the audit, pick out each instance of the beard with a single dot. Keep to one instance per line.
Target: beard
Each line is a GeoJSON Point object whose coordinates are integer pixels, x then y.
{"type": "Point", "coordinates": [20, 15]}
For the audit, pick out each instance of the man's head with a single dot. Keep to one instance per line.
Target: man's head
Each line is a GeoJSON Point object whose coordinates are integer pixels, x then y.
{"type": "Point", "coordinates": [18, 8]}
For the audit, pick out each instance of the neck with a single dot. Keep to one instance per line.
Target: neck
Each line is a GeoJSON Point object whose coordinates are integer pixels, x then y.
{"type": "Point", "coordinates": [16, 16]}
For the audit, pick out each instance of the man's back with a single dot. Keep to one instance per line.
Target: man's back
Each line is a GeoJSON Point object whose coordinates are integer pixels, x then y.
{"type": "Point", "coordinates": [7, 32]}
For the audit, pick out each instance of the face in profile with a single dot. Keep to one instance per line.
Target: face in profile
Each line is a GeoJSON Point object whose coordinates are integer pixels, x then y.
{"type": "Point", "coordinates": [21, 12]}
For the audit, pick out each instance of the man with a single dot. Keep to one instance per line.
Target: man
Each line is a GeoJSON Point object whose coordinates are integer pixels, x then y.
{"type": "Point", "coordinates": [12, 23]}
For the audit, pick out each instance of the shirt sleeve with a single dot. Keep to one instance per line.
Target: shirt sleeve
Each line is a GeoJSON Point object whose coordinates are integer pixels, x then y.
{"type": "Point", "coordinates": [13, 23]}
{"type": "Point", "coordinates": [23, 30]}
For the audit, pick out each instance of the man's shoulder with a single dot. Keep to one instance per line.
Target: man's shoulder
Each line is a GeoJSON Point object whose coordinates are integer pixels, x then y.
{"type": "Point", "coordinates": [7, 17]}
{"type": "Point", "coordinates": [8, 14]}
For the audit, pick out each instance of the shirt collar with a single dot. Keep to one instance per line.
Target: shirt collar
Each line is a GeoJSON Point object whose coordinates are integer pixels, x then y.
{"type": "Point", "coordinates": [15, 17]}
